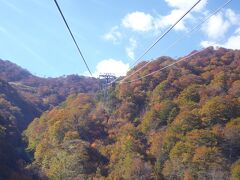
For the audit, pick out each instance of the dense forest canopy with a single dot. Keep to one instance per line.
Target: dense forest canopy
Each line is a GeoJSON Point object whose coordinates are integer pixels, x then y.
{"type": "Point", "coordinates": [24, 97]}
{"type": "Point", "coordinates": [179, 123]}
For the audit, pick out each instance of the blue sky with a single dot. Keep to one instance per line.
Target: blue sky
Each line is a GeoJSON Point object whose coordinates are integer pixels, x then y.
{"type": "Point", "coordinates": [110, 33]}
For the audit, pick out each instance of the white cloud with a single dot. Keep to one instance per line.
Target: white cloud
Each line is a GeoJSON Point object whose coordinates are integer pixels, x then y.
{"type": "Point", "coordinates": [219, 24]}
{"type": "Point", "coordinates": [138, 21]}
{"type": "Point", "coordinates": [170, 19]}
{"type": "Point", "coordinates": [131, 48]}
{"type": "Point", "coordinates": [216, 27]}
{"type": "Point", "coordinates": [231, 43]}
{"type": "Point", "coordinates": [144, 22]}
{"type": "Point", "coordinates": [116, 67]}
{"type": "Point", "coordinates": [233, 17]}
{"type": "Point", "coordinates": [186, 4]}
{"type": "Point", "coordinates": [179, 8]}
{"type": "Point", "coordinates": [113, 35]}
{"type": "Point", "coordinates": [237, 31]}
{"type": "Point", "coordinates": [206, 44]}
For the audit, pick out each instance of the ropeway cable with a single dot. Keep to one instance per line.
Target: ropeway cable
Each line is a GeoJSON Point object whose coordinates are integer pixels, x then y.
{"type": "Point", "coordinates": [195, 28]}
{"type": "Point", "coordinates": [163, 35]}
{"type": "Point", "coordinates": [73, 38]}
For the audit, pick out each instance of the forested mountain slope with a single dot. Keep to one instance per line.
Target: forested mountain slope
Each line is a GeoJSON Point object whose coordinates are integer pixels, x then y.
{"type": "Point", "coordinates": [45, 92]}
{"type": "Point", "coordinates": [179, 123]}
{"type": "Point", "coordinates": [15, 115]}
{"type": "Point", "coordinates": [24, 97]}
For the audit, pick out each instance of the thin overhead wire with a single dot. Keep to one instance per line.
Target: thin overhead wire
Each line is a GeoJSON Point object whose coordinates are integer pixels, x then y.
{"type": "Point", "coordinates": [73, 38]}
{"type": "Point", "coordinates": [166, 32]}
{"type": "Point", "coordinates": [165, 67]}
{"type": "Point", "coordinates": [194, 29]}
{"type": "Point", "coordinates": [176, 62]}
{"type": "Point", "coordinates": [163, 35]}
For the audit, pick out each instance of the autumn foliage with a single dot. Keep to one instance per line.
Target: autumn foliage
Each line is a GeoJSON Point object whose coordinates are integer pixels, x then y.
{"type": "Point", "coordinates": [179, 123]}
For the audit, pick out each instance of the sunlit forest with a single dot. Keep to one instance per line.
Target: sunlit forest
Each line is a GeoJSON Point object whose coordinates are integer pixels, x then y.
{"type": "Point", "coordinates": [179, 123]}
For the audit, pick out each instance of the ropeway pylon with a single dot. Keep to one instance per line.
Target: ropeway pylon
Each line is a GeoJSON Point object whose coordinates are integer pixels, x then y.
{"type": "Point", "coordinates": [105, 80]}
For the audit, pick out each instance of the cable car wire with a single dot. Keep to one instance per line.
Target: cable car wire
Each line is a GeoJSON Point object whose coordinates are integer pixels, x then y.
{"type": "Point", "coordinates": [73, 38]}
{"type": "Point", "coordinates": [163, 35]}
{"type": "Point", "coordinates": [195, 28]}
{"type": "Point", "coordinates": [165, 67]}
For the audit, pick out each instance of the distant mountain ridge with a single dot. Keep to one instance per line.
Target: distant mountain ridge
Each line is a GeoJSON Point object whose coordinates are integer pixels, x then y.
{"type": "Point", "coordinates": [11, 72]}
{"type": "Point", "coordinates": [45, 92]}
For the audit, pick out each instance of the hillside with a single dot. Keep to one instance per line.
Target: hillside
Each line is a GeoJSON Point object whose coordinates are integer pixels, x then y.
{"type": "Point", "coordinates": [15, 115]}
{"type": "Point", "coordinates": [45, 92]}
{"type": "Point", "coordinates": [11, 72]}
{"type": "Point", "coordinates": [180, 123]}
{"type": "Point", "coordinates": [24, 97]}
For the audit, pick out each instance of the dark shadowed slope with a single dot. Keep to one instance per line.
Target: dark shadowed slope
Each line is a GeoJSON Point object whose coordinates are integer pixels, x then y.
{"type": "Point", "coordinates": [15, 115]}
